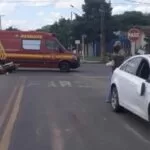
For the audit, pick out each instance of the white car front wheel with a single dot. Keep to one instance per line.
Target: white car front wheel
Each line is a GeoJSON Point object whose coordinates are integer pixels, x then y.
{"type": "Point", "coordinates": [115, 100]}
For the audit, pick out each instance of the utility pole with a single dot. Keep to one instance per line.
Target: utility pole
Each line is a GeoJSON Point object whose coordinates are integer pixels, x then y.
{"type": "Point", "coordinates": [102, 29]}
{"type": "Point", "coordinates": [83, 46]}
{"type": "Point", "coordinates": [71, 30]}
{"type": "Point", "coordinates": [1, 21]}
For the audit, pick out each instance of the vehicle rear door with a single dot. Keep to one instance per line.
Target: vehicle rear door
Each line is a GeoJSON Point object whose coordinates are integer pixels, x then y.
{"type": "Point", "coordinates": [128, 83]}
{"type": "Point", "coordinates": [141, 99]}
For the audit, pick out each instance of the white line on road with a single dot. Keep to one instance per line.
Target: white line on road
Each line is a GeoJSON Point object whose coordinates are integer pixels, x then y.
{"type": "Point", "coordinates": [57, 143]}
{"type": "Point", "coordinates": [82, 84]}
{"type": "Point", "coordinates": [33, 83]}
{"type": "Point", "coordinates": [136, 133]}
{"type": "Point", "coordinates": [52, 84]}
{"type": "Point", "coordinates": [60, 84]}
{"type": "Point", "coordinates": [65, 84]}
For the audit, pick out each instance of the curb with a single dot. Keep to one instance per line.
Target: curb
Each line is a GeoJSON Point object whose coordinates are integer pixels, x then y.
{"type": "Point", "coordinates": [91, 62]}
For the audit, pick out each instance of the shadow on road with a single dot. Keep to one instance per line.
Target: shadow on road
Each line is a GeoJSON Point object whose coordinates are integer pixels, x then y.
{"type": "Point", "coordinates": [140, 125]}
{"type": "Point", "coordinates": [135, 119]}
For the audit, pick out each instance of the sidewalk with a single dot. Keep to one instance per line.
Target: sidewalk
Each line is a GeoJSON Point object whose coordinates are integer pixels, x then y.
{"type": "Point", "coordinates": [92, 60]}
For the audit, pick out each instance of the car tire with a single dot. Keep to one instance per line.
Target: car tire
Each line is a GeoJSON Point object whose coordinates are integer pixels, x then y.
{"type": "Point", "coordinates": [115, 100]}
{"type": "Point", "coordinates": [64, 66]}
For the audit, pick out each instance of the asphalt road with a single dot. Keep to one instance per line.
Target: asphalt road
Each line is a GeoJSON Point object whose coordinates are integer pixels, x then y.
{"type": "Point", "coordinates": [49, 110]}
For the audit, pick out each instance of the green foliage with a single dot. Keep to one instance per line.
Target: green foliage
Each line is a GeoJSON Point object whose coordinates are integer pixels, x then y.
{"type": "Point", "coordinates": [62, 29]}
{"type": "Point", "coordinates": [147, 46]}
{"type": "Point", "coordinates": [12, 29]}
{"type": "Point", "coordinates": [147, 39]}
{"type": "Point", "coordinates": [129, 19]}
{"type": "Point", "coordinates": [89, 23]}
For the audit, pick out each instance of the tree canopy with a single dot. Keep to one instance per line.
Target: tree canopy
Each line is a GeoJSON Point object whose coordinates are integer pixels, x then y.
{"type": "Point", "coordinates": [130, 18]}
{"type": "Point", "coordinates": [89, 23]}
{"type": "Point", "coordinates": [12, 29]}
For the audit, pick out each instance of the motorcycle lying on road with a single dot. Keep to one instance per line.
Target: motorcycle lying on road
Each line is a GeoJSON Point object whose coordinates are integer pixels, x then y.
{"type": "Point", "coordinates": [8, 67]}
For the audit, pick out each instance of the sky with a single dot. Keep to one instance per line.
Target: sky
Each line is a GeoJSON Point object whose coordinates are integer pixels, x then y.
{"type": "Point", "coordinates": [33, 14]}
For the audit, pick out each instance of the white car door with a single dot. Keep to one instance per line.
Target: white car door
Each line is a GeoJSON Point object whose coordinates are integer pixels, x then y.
{"type": "Point", "coordinates": [142, 95]}
{"type": "Point", "coordinates": [127, 83]}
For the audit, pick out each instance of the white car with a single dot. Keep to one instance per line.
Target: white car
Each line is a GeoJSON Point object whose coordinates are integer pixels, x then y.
{"type": "Point", "coordinates": [130, 86]}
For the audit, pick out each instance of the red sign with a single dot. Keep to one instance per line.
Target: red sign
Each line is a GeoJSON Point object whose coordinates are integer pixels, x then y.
{"type": "Point", "coordinates": [134, 34]}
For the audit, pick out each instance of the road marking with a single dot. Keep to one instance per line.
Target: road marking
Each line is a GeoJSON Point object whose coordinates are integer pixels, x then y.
{"type": "Point", "coordinates": [38, 131]}
{"type": "Point", "coordinates": [52, 84]}
{"type": "Point", "coordinates": [57, 143]}
{"type": "Point", "coordinates": [33, 83]}
{"type": "Point", "coordinates": [136, 133]}
{"type": "Point", "coordinates": [7, 107]}
{"type": "Point", "coordinates": [82, 84]}
{"type": "Point", "coordinates": [4, 143]}
{"type": "Point", "coordinates": [65, 83]}
{"type": "Point", "coordinates": [59, 84]}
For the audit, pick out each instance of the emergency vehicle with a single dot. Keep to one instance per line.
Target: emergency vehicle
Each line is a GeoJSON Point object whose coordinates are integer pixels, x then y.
{"type": "Point", "coordinates": [5, 67]}
{"type": "Point", "coordinates": [37, 49]}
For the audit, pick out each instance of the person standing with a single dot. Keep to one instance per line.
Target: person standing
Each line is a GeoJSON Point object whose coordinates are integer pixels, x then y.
{"type": "Point", "coordinates": [117, 58]}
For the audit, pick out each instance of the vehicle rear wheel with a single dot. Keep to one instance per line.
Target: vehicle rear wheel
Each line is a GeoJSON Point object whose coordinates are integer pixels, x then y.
{"type": "Point", "coordinates": [115, 100]}
{"type": "Point", "coordinates": [64, 66]}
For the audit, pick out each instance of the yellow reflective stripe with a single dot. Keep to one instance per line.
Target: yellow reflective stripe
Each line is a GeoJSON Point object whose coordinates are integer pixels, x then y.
{"type": "Point", "coordinates": [57, 57]}
{"type": "Point", "coordinates": [2, 52]}
{"type": "Point", "coordinates": [38, 56]}
{"type": "Point", "coordinates": [24, 55]}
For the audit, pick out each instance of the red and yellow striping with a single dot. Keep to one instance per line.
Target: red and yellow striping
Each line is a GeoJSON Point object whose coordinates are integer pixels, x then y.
{"type": "Point", "coordinates": [37, 56]}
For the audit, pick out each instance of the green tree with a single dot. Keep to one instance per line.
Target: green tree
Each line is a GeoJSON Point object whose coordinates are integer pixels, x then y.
{"type": "Point", "coordinates": [147, 46]}
{"type": "Point", "coordinates": [128, 19]}
{"type": "Point", "coordinates": [12, 29]}
{"type": "Point", "coordinates": [89, 23]}
{"type": "Point", "coordinates": [44, 28]}
{"type": "Point", "coordinates": [62, 29]}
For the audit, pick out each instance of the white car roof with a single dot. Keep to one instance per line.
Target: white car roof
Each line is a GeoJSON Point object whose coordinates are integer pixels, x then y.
{"type": "Point", "coordinates": [147, 56]}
